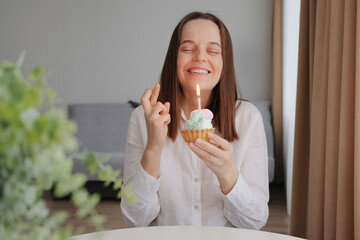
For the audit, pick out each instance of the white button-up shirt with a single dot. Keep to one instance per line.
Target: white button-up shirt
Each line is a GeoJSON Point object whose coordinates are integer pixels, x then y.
{"type": "Point", "coordinates": [187, 192]}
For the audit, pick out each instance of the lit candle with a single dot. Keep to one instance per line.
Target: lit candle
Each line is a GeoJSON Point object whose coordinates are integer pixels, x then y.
{"type": "Point", "coordinates": [198, 96]}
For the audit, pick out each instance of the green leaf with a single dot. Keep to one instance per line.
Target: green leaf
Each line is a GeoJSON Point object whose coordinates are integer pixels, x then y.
{"type": "Point", "coordinates": [91, 162]}
{"type": "Point", "coordinates": [79, 197]}
{"type": "Point", "coordinates": [88, 206]}
{"type": "Point", "coordinates": [29, 116]}
{"type": "Point", "coordinates": [56, 219]}
{"type": "Point", "coordinates": [69, 185]}
{"type": "Point", "coordinates": [117, 184]}
{"type": "Point", "coordinates": [39, 210]}
{"type": "Point", "coordinates": [61, 168]}
{"type": "Point", "coordinates": [105, 173]}
{"type": "Point", "coordinates": [36, 73]}
{"type": "Point", "coordinates": [78, 180]}
{"type": "Point", "coordinates": [7, 66]}
{"type": "Point", "coordinates": [98, 220]}
{"type": "Point", "coordinates": [30, 194]}
{"type": "Point", "coordinates": [20, 60]}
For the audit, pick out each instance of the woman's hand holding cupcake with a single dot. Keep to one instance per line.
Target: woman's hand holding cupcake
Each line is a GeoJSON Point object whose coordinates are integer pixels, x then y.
{"type": "Point", "coordinates": [217, 154]}
{"type": "Point", "coordinates": [157, 118]}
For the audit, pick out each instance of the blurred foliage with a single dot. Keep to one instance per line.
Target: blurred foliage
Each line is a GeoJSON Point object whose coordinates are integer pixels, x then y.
{"type": "Point", "coordinates": [36, 144]}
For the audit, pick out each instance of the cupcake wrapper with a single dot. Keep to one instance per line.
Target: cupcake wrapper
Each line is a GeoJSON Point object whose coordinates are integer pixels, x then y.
{"type": "Point", "coordinates": [191, 135]}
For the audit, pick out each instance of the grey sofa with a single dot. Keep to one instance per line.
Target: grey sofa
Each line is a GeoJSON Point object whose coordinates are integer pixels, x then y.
{"type": "Point", "coordinates": [102, 128]}
{"type": "Point", "coordinates": [265, 109]}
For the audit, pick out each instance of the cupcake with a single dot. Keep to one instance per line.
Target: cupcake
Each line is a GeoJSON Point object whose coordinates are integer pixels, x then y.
{"type": "Point", "coordinates": [198, 125]}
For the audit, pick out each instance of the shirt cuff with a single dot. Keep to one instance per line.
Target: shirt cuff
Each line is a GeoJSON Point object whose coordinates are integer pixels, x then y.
{"type": "Point", "coordinates": [145, 186]}
{"type": "Point", "coordinates": [239, 197]}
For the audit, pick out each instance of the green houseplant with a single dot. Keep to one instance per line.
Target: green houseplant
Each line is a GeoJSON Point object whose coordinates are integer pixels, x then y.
{"type": "Point", "coordinates": [36, 144]}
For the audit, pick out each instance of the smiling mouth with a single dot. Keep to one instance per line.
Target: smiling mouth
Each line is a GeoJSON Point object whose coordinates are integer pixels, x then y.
{"type": "Point", "coordinates": [198, 71]}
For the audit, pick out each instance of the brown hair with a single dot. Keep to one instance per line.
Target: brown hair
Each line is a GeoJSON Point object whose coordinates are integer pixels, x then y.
{"type": "Point", "coordinates": [223, 96]}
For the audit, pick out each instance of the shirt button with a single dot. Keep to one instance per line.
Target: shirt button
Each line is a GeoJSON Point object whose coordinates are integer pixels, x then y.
{"type": "Point", "coordinates": [196, 179]}
{"type": "Point", "coordinates": [196, 207]}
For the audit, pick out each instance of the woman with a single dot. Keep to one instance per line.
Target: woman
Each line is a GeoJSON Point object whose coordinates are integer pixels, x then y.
{"type": "Point", "coordinates": [223, 182]}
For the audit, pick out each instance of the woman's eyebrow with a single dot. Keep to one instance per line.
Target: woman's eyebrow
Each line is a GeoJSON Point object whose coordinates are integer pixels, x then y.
{"type": "Point", "coordinates": [186, 41]}
{"type": "Point", "coordinates": [215, 43]}
{"type": "Point", "coordinates": [191, 41]}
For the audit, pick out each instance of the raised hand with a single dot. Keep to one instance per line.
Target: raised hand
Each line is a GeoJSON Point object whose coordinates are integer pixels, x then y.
{"type": "Point", "coordinates": [217, 155]}
{"type": "Point", "coordinates": [157, 118]}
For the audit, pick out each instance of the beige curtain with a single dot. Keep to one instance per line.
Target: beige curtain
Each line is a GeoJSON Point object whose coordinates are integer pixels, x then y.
{"type": "Point", "coordinates": [276, 82]}
{"type": "Point", "coordinates": [326, 176]}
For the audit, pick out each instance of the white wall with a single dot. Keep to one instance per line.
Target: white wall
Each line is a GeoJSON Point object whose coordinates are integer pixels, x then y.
{"type": "Point", "coordinates": [291, 13]}
{"type": "Point", "coordinates": [112, 50]}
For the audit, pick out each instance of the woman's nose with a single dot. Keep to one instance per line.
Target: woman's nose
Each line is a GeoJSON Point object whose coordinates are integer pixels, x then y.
{"type": "Point", "coordinates": [199, 56]}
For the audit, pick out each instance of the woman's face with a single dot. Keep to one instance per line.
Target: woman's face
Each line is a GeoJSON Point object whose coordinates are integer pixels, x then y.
{"type": "Point", "coordinates": [199, 57]}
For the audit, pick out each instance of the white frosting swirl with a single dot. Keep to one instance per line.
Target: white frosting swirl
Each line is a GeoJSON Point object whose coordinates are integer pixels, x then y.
{"type": "Point", "coordinates": [199, 119]}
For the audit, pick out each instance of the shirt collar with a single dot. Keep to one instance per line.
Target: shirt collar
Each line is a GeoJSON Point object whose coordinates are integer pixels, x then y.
{"type": "Point", "coordinates": [183, 115]}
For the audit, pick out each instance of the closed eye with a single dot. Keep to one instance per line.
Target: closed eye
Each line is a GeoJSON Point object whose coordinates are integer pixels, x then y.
{"type": "Point", "coordinates": [214, 52]}
{"type": "Point", "coordinates": [187, 50]}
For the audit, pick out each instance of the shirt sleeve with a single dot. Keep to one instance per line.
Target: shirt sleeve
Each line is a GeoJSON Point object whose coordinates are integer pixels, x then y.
{"type": "Point", "coordinates": [247, 203]}
{"type": "Point", "coordinates": [140, 186]}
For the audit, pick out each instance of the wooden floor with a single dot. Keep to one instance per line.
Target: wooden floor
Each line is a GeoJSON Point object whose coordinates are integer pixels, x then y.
{"type": "Point", "coordinates": [278, 221]}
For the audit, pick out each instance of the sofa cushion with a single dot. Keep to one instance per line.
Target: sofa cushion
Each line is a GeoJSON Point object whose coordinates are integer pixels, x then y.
{"type": "Point", "coordinates": [102, 127]}
{"type": "Point", "coordinates": [265, 109]}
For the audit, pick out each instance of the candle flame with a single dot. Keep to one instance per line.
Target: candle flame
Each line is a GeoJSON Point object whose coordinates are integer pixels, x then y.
{"type": "Point", "coordinates": [197, 90]}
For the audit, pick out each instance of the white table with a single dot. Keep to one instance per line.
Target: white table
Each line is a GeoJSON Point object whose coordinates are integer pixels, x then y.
{"type": "Point", "coordinates": [183, 233]}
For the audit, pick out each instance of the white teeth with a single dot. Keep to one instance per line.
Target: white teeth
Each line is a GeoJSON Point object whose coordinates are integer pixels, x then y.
{"type": "Point", "coordinates": [198, 71]}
